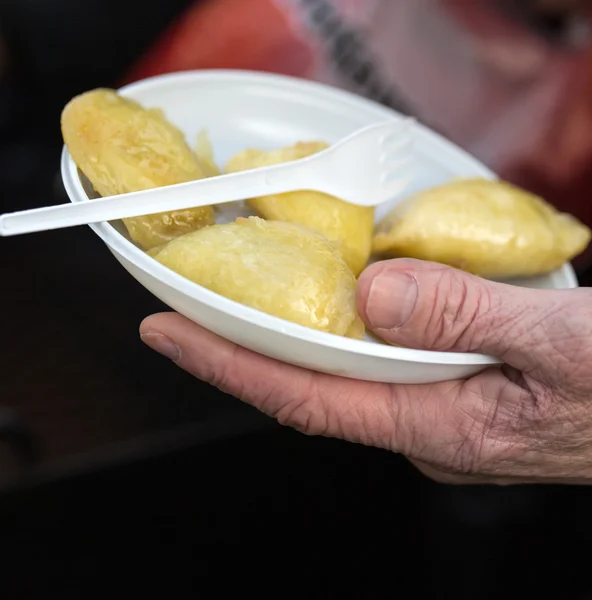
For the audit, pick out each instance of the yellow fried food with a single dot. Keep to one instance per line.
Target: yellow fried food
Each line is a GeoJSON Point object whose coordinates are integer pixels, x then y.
{"type": "Point", "coordinates": [122, 147]}
{"type": "Point", "coordinates": [280, 268]}
{"type": "Point", "coordinates": [489, 228]}
{"type": "Point", "coordinates": [349, 227]}
{"type": "Point", "coordinates": [205, 155]}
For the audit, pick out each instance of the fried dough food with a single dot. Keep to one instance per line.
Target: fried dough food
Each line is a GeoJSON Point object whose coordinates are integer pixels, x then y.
{"type": "Point", "coordinates": [122, 147]}
{"type": "Point", "coordinates": [347, 226]}
{"type": "Point", "coordinates": [488, 228]}
{"type": "Point", "coordinates": [283, 269]}
{"type": "Point", "coordinates": [205, 154]}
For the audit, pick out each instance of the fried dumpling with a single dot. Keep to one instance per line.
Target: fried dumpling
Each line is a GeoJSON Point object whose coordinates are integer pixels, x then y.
{"type": "Point", "coordinates": [283, 269]}
{"type": "Point", "coordinates": [205, 155]}
{"type": "Point", "coordinates": [349, 227]}
{"type": "Point", "coordinates": [489, 228]}
{"type": "Point", "coordinates": [122, 147]}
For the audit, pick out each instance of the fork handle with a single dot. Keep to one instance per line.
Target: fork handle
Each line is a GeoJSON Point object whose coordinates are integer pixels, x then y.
{"type": "Point", "coordinates": [276, 179]}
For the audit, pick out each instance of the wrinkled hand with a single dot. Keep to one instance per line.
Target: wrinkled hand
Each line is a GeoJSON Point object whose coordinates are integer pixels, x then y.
{"type": "Point", "coordinates": [530, 421]}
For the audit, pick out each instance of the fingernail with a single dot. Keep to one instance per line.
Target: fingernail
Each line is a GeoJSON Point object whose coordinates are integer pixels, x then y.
{"type": "Point", "coordinates": [162, 344]}
{"type": "Point", "coordinates": [391, 300]}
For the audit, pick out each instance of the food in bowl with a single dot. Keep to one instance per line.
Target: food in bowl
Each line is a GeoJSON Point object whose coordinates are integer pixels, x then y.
{"type": "Point", "coordinates": [284, 269]}
{"type": "Point", "coordinates": [205, 154]}
{"type": "Point", "coordinates": [489, 228]}
{"type": "Point", "coordinates": [122, 147]}
{"type": "Point", "coordinates": [299, 259]}
{"type": "Point", "coordinates": [348, 226]}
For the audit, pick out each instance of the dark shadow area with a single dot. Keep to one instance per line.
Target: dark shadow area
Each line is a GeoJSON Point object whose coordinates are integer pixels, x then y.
{"type": "Point", "coordinates": [281, 511]}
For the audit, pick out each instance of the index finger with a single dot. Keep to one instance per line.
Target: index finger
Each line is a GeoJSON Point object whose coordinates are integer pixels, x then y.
{"type": "Point", "coordinates": [262, 382]}
{"type": "Point", "coordinates": [313, 403]}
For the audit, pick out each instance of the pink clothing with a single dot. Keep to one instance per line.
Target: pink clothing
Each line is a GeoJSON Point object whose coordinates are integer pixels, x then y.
{"type": "Point", "coordinates": [521, 105]}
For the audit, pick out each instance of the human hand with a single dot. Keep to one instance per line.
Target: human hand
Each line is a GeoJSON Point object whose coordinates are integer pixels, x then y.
{"type": "Point", "coordinates": [530, 421]}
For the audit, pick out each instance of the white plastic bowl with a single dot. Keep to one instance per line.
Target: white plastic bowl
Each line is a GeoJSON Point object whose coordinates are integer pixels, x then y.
{"type": "Point", "coordinates": [242, 109]}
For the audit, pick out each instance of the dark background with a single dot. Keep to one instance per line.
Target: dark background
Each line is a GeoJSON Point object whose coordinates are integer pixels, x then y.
{"type": "Point", "coordinates": [122, 474]}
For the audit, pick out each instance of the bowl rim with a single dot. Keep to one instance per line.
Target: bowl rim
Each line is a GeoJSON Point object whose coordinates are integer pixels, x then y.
{"type": "Point", "coordinates": [124, 247]}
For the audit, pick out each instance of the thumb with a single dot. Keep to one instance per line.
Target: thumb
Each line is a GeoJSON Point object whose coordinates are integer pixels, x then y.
{"type": "Point", "coordinates": [429, 306]}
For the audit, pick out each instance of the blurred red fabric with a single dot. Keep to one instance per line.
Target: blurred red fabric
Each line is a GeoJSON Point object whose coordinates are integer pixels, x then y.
{"type": "Point", "coordinates": [521, 105]}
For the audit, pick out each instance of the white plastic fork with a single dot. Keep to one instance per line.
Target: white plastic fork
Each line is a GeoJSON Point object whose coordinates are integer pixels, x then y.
{"type": "Point", "coordinates": [367, 168]}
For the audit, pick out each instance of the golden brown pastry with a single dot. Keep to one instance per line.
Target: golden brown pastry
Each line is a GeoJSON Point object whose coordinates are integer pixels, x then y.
{"type": "Point", "coordinates": [205, 155]}
{"type": "Point", "coordinates": [122, 147]}
{"type": "Point", "coordinates": [349, 227]}
{"type": "Point", "coordinates": [283, 269]}
{"type": "Point", "coordinates": [489, 228]}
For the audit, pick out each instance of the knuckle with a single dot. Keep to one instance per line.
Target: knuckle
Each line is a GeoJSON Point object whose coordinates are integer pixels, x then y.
{"type": "Point", "coordinates": [483, 433]}
{"type": "Point", "coordinates": [487, 440]}
{"type": "Point", "coordinates": [303, 415]}
{"type": "Point", "coordinates": [458, 311]}
{"type": "Point", "coordinates": [302, 409]}
{"type": "Point", "coordinates": [221, 375]}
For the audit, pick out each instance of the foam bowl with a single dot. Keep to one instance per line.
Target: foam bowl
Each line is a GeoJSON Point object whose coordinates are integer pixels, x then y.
{"type": "Point", "coordinates": [242, 109]}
